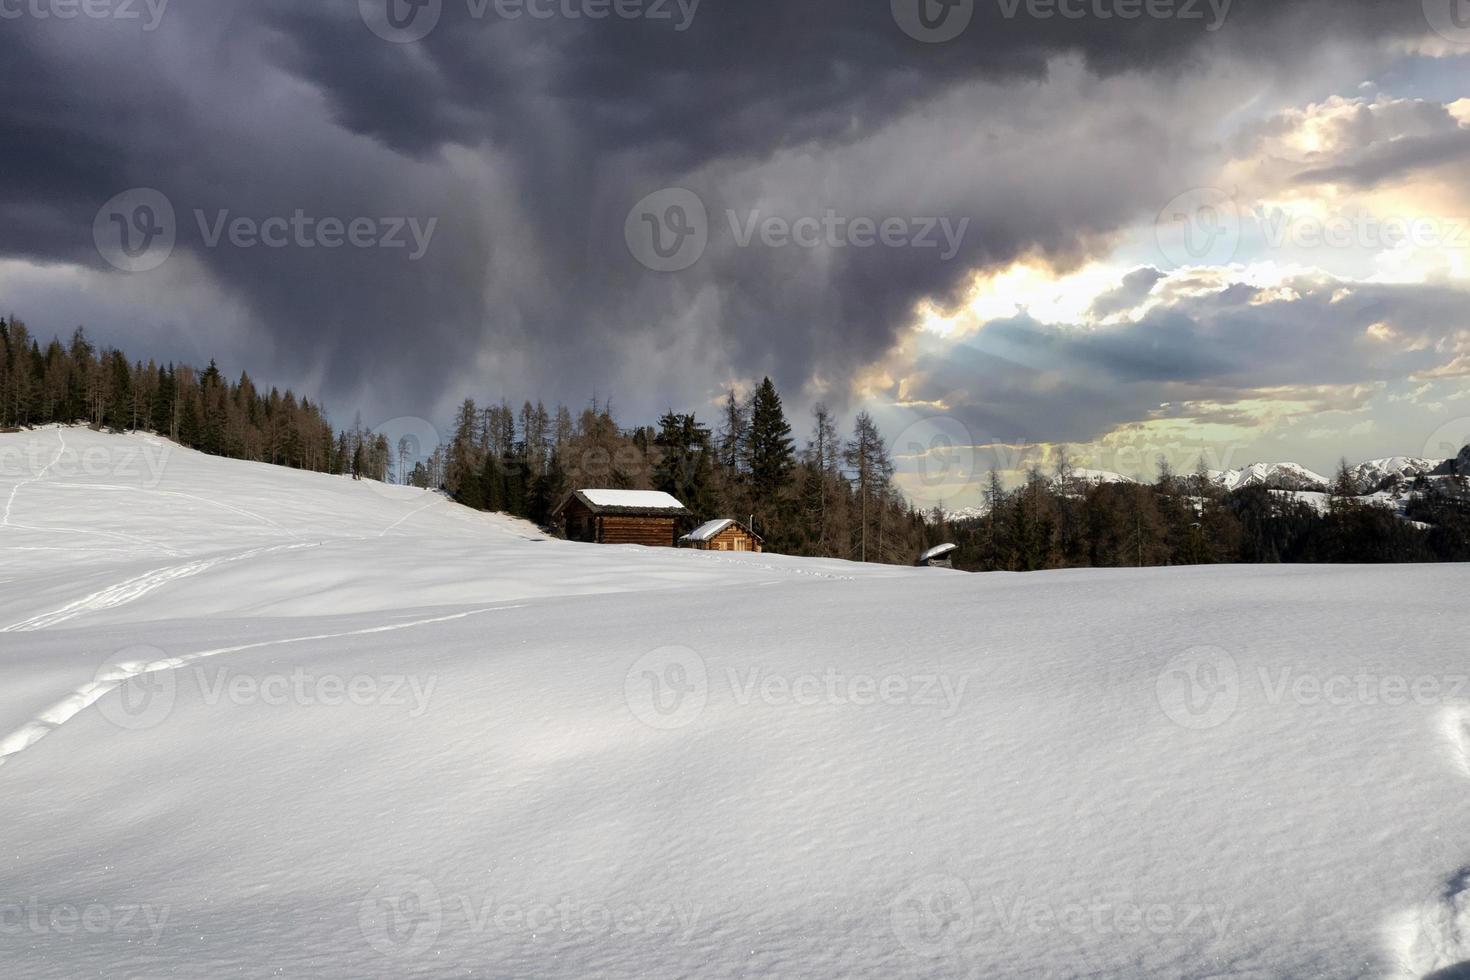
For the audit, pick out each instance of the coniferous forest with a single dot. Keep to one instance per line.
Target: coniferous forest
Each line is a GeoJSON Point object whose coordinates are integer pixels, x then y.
{"type": "Point", "coordinates": [823, 492]}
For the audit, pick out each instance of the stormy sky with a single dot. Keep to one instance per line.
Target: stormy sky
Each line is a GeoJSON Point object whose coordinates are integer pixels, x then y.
{"type": "Point", "coordinates": [1130, 227]}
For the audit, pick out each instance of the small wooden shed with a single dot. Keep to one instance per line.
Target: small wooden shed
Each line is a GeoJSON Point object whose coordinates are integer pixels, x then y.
{"type": "Point", "coordinates": [646, 517]}
{"type": "Point", "coordinates": [725, 534]}
{"type": "Point", "coordinates": [939, 556]}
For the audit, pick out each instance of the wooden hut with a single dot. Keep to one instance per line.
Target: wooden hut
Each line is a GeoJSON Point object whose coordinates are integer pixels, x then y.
{"type": "Point", "coordinates": [646, 517]}
{"type": "Point", "coordinates": [725, 534]}
{"type": "Point", "coordinates": [939, 556]}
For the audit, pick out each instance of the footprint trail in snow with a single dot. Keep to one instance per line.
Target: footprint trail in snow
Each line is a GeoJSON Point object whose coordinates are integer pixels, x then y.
{"type": "Point", "coordinates": [1433, 940]}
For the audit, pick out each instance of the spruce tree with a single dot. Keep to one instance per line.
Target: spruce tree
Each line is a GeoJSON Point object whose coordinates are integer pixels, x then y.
{"type": "Point", "coordinates": [770, 447]}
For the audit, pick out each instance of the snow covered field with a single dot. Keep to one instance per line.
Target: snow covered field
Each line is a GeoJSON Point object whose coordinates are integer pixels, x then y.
{"type": "Point", "coordinates": [263, 723]}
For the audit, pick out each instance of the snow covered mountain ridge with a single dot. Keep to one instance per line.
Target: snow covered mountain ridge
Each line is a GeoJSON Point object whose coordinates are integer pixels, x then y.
{"type": "Point", "coordinates": [1369, 475]}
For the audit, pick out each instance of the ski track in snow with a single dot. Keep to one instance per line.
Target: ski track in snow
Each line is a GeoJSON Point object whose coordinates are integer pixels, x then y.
{"type": "Point", "coordinates": [113, 676]}
{"type": "Point", "coordinates": [1432, 941]}
{"type": "Point", "coordinates": [15, 491]}
{"type": "Point", "coordinates": [129, 538]}
{"type": "Point", "coordinates": [136, 587]}
{"type": "Point", "coordinates": [5, 522]}
{"type": "Point", "coordinates": [178, 493]}
{"type": "Point", "coordinates": [384, 533]}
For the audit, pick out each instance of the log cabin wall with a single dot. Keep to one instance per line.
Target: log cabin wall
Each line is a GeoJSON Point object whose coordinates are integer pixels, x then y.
{"type": "Point", "coordinates": [579, 522]}
{"type": "Point", "coordinates": [654, 532]}
{"type": "Point", "coordinates": [733, 538]}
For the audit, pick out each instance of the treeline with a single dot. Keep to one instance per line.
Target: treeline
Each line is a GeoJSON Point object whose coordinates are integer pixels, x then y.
{"type": "Point", "coordinates": [1054, 521]}
{"type": "Point", "coordinates": [81, 383]}
{"type": "Point", "coordinates": [834, 497]}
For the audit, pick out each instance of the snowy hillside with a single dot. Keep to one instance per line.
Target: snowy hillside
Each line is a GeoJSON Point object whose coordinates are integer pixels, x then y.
{"type": "Point", "coordinates": [264, 723]}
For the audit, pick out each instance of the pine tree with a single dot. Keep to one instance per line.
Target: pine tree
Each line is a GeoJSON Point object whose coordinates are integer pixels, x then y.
{"type": "Point", "coordinates": [769, 443]}
{"type": "Point", "coordinates": [465, 462]}
{"type": "Point", "coordinates": [683, 463]}
{"type": "Point", "coordinates": [870, 469]}
{"type": "Point", "coordinates": [733, 434]}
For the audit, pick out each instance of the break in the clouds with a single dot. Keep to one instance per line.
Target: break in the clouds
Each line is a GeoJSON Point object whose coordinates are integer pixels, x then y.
{"type": "Point", "coordinates": [399, 205]}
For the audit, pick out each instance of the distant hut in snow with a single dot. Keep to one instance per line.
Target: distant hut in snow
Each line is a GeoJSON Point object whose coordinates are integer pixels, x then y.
{"type": "Point", "coordinates": [646, 517]}
{"type": "Point", "coordinates": [725, 534]}
{"type": "Point", "coordinates": [939, 556]}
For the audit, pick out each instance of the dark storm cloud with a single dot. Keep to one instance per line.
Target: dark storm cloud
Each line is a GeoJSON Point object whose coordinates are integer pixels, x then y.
{"type": "Point", "coordinates": [1019, 380]}
{"type": "Point", "coordinates": [1394, 161]}
{"type": "Point", "coordinates": [1134, 290]}
{"type": "Point", "coordinates": [528, 140]}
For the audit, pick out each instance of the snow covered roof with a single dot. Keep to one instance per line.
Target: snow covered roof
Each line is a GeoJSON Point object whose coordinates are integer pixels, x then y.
{"type": "Point", "coordinates": [938, 551]}
{"type": "Point", "coordinates": [708, 530]}
{"type": "Point", "coordinates": [629, 500]}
